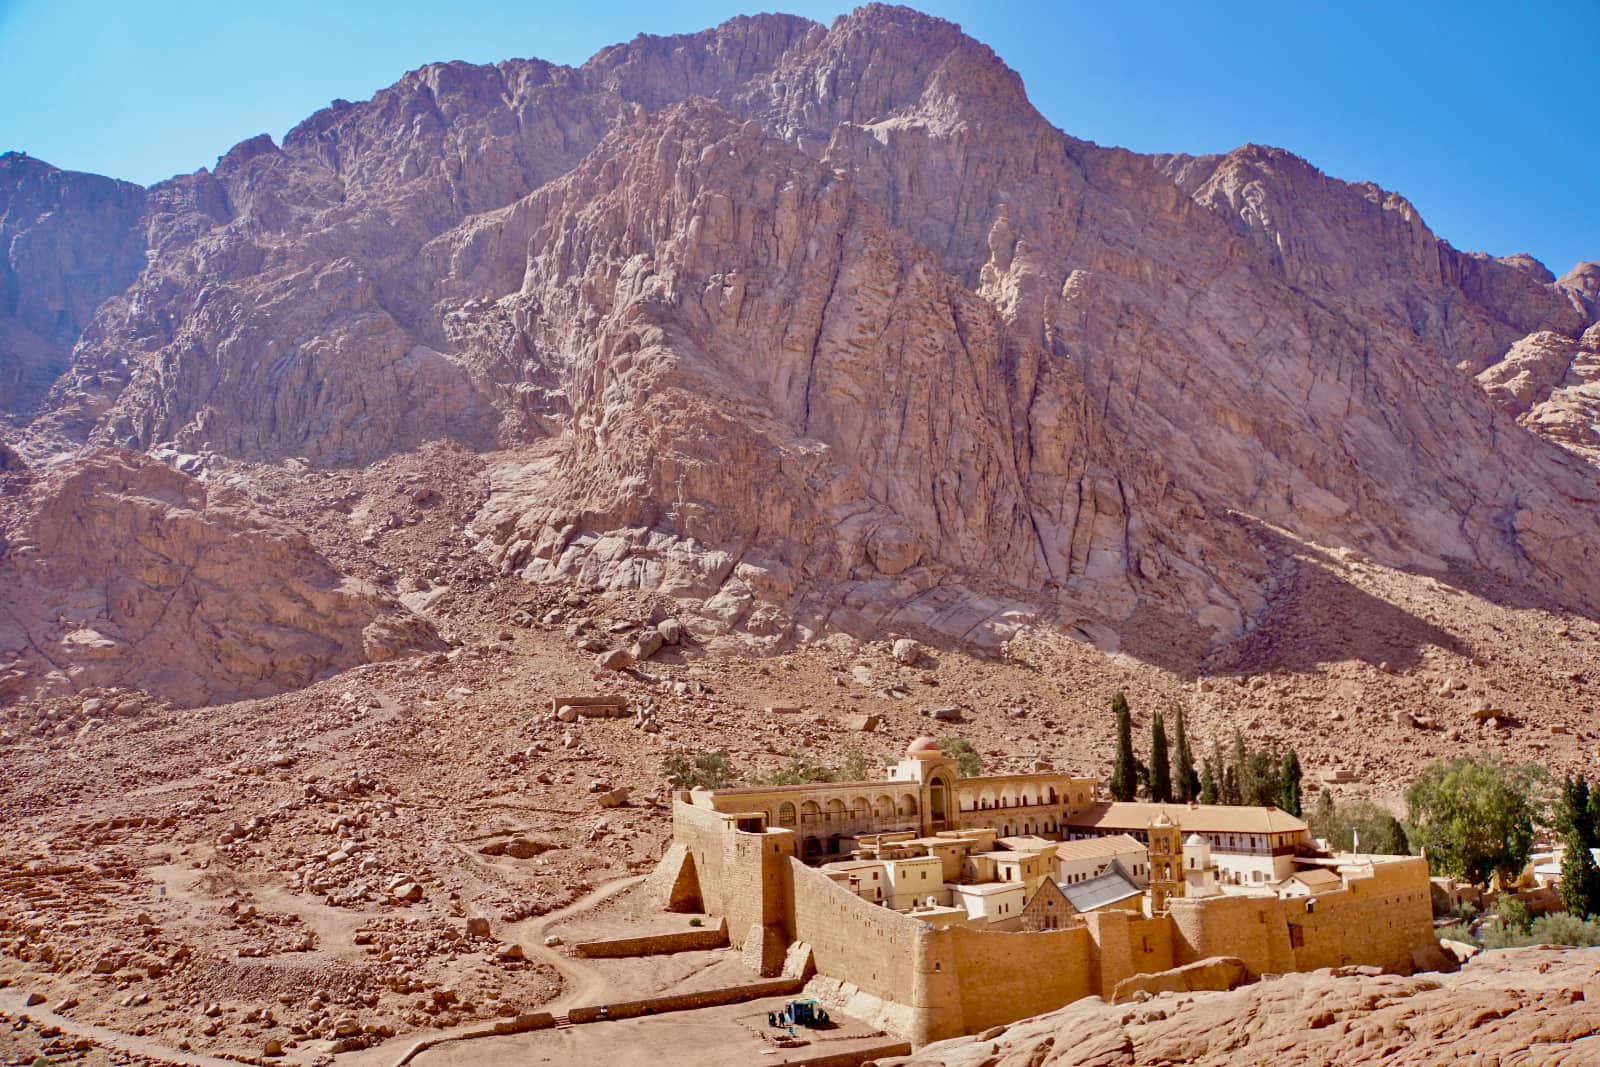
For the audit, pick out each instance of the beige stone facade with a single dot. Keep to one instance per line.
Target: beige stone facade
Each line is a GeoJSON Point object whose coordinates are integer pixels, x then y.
{"type": "Point", "coordinates": [933, 970]}
{"type": "Point", "coordinates": [922, 796]}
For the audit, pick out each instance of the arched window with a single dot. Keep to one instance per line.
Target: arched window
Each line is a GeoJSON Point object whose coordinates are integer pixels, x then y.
{"type": "Point", "coordinates": [786, 814]}
{"type": "Point", "coordinates": [883, 807]}
{"type": "Point", "coordinates": [908, 804]}
{"type": "Point", "coordinates": [809, 812]}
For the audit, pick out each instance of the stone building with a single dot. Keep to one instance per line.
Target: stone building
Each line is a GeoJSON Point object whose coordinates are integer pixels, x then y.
{"type": "Point", "coordinates": [1086, 858]}
{"type": "Point", "coordinates": [931, 971]}
{"type": "Point", "coordinates": [923, 795]}
{"type": "Point", "coordinates": [1250, 846]}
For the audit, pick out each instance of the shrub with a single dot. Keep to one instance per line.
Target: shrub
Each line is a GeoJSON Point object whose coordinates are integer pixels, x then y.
{"type": "Point", "coordinates": [968, 762]}
{"type": "Point", "coordinates": [712, 770]}
{"type": "Point", "coordinates": [800, 771]}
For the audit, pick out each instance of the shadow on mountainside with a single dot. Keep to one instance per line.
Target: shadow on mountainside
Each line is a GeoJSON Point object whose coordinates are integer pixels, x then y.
{"type": "Point", "coordinates": [1316, 617]}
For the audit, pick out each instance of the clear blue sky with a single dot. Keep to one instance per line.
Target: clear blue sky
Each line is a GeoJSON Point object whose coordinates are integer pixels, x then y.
{"type": "Point", "coordinates": [1484, 114]}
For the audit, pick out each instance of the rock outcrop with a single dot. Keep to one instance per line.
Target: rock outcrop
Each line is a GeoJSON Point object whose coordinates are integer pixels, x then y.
{"type": "Point", "coordinates": [825, 327]}
{"type": "Point", "coordinates": [118, 571]}
{"type": "Point", "coordinates": [1532, 1006]}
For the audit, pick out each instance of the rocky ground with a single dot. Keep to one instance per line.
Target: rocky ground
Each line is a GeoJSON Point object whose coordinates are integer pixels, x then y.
{"type": "Point", "coordinates": [1535, 1007]}
{"type": "Point", "coordinates": [308, 868]}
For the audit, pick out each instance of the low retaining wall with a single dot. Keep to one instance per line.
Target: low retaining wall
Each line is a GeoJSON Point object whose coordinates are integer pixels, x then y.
{"type": "Point", "coordinates": [706, 998]}
{"type": "Point", "coordinates": [855, 1059]}
{"type": "Point", "coordinates": [522, 1024]}
{"type": "Point", "coordinates": [656, 944]}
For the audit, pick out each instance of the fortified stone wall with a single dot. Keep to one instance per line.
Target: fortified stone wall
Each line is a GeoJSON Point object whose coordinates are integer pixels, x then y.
{"type": "Point", "coordinates": [870, 947]}
{"type": "Point", "coordinates": [1004, 977]}
{"type": "Point", "coordinates": [703, 831]}
{"type": "Point", "coordinates": [1251, 928]}
{"type": "Point", "coordinates": [743, 877]}
{"type": "Point", "coordinates": [1381, 920]}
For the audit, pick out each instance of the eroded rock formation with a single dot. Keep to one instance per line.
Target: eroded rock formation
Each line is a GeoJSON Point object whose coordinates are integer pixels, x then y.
{"type": "Point", "coordinates": [118, 571]}
{"type": "Point", "coordinates": [826, 327]}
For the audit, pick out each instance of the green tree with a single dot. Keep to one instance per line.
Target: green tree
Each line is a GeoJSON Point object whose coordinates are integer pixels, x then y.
{"type": "Point", "coordinates": [968, 763]}
{"type": "Point", "coordinates": [710, 770]}
{"type": "Point", "coordinates": [1322, 816]}
{"type": "Point", "coordinates": [801, 771]}
{"type": "Point", "coordinates": [1474, 819]}
{"type": "Point", "coordinates": [1289, 784]}
{"type": "Point", "coordinates": [1580, 875]}
{"type": "Point", "coordinates": [1125, 769]}
{"type": "Point", "coordinates": [1185, 783]}
{"type": "Point", "coordinates": [1160, 788]}
{"type": "Point", "coordinates": [1358, 823]}
{"type": "Point", "coordinates": [1208, 783]}
{"type": "Point", "coordinates": [1580, 879]}
{"type": "Point", "coordinates": [1576, 812]}
{"type": "Point", "coordinates": [1228, 788]}
{"type": "Point", "coordinates": [857, 767]}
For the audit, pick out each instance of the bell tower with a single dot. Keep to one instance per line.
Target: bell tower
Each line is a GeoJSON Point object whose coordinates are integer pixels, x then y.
{"type": "Point", "coordinates": [1166, 862]}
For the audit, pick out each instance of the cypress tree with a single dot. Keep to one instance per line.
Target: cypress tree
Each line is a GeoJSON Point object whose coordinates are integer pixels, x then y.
{"type": "Point", "coordinates": [1580, 879]}
{"type": "Point", "coordinates": [1160, 770]}
{"type": "Point", "coordinates": [1576, 814]}
{"type": "Point", "coordinates": [1185, 783]}
{"type": "Point", "coordinates": [1125, 771]}
{"type": "Point", "coordinates": [1289, 784]}
{"type": "Point", "coordinates": [1228, 789]}
{"type": "Point", "coordinates": [1208, 783]}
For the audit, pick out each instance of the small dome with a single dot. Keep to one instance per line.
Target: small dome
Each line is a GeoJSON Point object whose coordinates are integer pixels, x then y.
{"type": "Point", "coordinates": [924, 748]}
{"type": "Point", "coordinates": [1194, 839]}
{"type": "Point", "coordinates": [1162, 820]}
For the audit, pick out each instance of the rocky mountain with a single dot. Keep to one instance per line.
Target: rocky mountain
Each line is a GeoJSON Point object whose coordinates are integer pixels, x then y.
{"type": "Point", "coordinates": [826, 328]}
{"type": "Point", "coordinates": [117, 571]}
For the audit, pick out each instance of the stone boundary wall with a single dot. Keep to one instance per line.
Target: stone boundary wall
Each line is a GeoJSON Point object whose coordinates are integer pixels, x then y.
{"type": "Point", "coordinates": [705, 998]}
{"type": "Point", "coordinates": [1003, 977]}
{"type": "Point", "coordinates": [855, 1059]}
{"type": "Point", "coordinates": [1380, 919]}
{"type": "Point", "coordinates": [691, 940]}
{"type": "Point", "coordinates": [522, 1024]}
{"type": "Point", "coordinates": [869, 947]}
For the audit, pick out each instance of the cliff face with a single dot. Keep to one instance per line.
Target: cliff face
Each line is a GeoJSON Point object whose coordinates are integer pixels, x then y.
{"type": "Point", "coordinates": [67, 242]}
{"type": "Point", "coordinates": [828, 327]}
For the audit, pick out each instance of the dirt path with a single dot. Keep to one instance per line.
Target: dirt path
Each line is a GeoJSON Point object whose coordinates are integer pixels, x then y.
{"type": "Point", "coordinates": [14, 1002]}
{"type": "Point", "coordinates": [582, 982]}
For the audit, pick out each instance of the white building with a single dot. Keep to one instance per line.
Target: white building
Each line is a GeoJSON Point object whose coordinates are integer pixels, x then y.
{"type": "Point", "coordinates": [1199, 873]}
{"type": "Point", "coordinates": [912, 881]}
{"type": "Point", "coordinates": [1079, 861]}
{"type": "Point", "coordinates": [992, 903]}
{"type": "Point", "coordinates": [1251, 846]}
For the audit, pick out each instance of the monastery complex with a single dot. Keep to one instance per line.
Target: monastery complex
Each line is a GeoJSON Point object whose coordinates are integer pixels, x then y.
{"type": "Point", "coordinates": [936, 905]}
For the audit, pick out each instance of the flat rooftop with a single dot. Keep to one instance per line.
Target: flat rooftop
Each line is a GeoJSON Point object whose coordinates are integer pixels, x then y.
{"type": "Point", "coordinates": [1198, 818]}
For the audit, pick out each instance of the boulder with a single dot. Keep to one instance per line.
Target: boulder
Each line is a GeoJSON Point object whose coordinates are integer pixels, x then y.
{"type": "Point", "coordinates": [908, 652]}
{"type": "Point", "coordinates": [1214, 973]}
{"type": "Point", "coordinates": [616, 659]}
{"type": "Point", "coordinates": [613, 798]}
{"type": "Point", "coordinates": [646, 645]}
